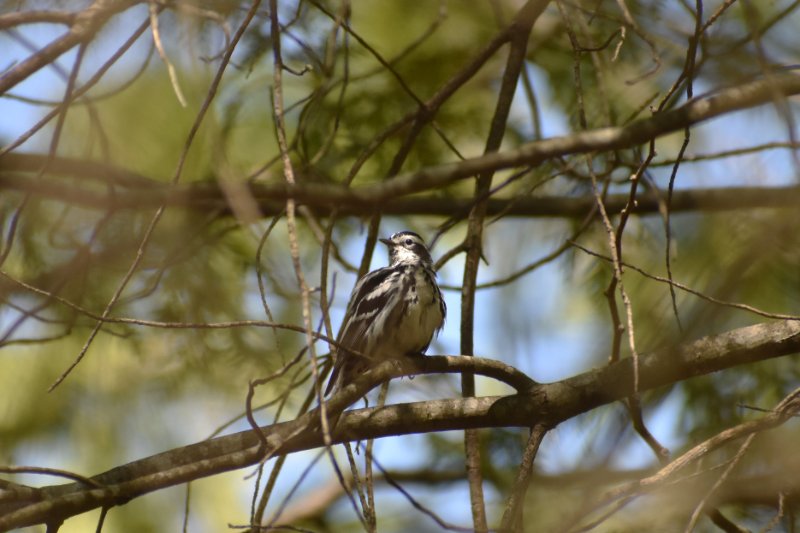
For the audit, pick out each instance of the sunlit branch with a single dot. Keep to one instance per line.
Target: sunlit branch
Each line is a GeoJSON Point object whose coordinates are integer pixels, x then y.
{"type": "Point", "coordinates": [546, 405]}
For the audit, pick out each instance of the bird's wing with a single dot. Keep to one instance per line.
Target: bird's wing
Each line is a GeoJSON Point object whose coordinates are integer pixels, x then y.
{"type": "Point", "coordinates": [431, 275]}
{"type": "Point", "coordinates": [371, 294]}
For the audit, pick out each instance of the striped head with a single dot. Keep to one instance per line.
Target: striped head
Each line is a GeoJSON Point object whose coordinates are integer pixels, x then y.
{"type": "Point", "coordinates": [407, 248]}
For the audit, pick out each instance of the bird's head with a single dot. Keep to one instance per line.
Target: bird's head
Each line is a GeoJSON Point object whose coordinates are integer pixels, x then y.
{"type": "Point", "coordinates": [407, 247]}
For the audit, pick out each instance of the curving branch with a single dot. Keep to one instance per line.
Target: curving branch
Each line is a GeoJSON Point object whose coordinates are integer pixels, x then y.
{"type": "Point", "coordinates": [545, 405]}
{"type": "Point", "coordinates": [18, 18]}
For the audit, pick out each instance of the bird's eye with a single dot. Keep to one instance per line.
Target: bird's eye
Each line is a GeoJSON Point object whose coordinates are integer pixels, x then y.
{"type": "Point", "coordinates": [409, 242]}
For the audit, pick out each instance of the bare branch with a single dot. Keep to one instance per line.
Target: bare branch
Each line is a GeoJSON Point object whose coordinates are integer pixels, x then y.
{"type": "Point", "coordinates": [543, 404]}
{"type": "Point", "coordinates": [83, 27]}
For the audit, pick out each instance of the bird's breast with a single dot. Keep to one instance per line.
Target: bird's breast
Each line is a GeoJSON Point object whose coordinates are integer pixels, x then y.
{"type": "Point", "coordinates": [423, 312]}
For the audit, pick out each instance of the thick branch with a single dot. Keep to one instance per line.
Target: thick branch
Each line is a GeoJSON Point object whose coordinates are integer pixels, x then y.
{"type": "Point", "coordinates": [603, 139]}
{"type": "Point", "coordinates": [545, 405]}
{"type": "Point", "coordinates": [134, 191]}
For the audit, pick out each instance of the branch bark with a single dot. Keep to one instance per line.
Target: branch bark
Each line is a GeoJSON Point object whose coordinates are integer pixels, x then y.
{"type": "Point", "coordinates": [134, 191]}
{"type": "Point", "coordinates": [544, 404]}
{"type": "Point", "coordinates": [381, 196]}
{"type": "Point", "coordinates": [520, 30]}
{"type": "Point", "coordinates": [83, 26]}
{"type": "Point", "coordinates": [138, 192]}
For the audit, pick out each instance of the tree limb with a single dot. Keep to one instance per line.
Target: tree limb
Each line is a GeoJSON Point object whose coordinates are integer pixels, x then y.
{"type": "Point", "coordinates": [543, 404]}
{"type": "Point", "coordinates": [83, 27]}
{"type": "Point", "coordinates": [134, 191]}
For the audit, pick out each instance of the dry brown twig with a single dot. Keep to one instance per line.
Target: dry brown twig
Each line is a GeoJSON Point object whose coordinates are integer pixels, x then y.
{"type": "Point", "coordinates": [785, 410]}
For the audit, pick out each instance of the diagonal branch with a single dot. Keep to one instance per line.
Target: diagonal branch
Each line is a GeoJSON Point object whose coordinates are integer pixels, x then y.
{"type": "Point", "coordinates": [603, 139]}
{"type": "Point", "coordinates": [83, 27]}
{"type": "Point", "coordinates": [547, 405]}
{"type": "Point", "coordinates": [786, 409]}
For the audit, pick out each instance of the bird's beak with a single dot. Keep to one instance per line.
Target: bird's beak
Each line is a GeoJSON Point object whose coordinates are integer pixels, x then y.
{"type": "Point", "coordinates": [387, 242]}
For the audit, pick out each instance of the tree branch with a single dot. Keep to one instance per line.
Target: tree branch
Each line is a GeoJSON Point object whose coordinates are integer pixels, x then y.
{"type": "Point", "coordinates": [602, 139]}
{"type": "Point", "coordinates": [83, 27]}
{"type": "Point", "coordinates": [520, 30]}
{"type": "Point", "coordinates": [546, 405]}
{"type": "Point", "coordinates": [134, 191]}
{"type": "Point", "coordinates": [18, 18]}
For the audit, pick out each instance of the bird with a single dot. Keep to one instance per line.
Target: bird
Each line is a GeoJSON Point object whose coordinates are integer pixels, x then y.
{"type": "Point", "coordinates": [393, 311]}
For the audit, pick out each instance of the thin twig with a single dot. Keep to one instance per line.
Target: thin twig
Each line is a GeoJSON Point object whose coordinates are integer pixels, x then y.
{"type": "Point", "coordinates": [512, 515]}
{"type": "Point", "coordinates": [701, 506]}
{"type": "Point", "coordinates": [686, 288]}
{"type": "Point", "coordinates": [159, 213]}
{"type": "Point", "coordinates": [519, 33]}
{"type": "Point", "coordinates": [787, 408]}
{"type": "Point", "coordinates": [291, 222]}
{"type": "Point", "coordinates": [173, 76]}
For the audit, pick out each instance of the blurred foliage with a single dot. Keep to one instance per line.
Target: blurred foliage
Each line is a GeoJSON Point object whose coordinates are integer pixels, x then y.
{"type": "Point", "coordinates": [141, 390]}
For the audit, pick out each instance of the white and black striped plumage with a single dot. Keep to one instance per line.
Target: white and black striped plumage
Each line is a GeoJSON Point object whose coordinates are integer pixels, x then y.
{"type": "Point", "coordinates": [393, 312]}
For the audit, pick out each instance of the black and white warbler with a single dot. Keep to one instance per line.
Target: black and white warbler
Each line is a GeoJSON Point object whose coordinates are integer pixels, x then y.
{"type": "Point", "coordinates": [393, 312]}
